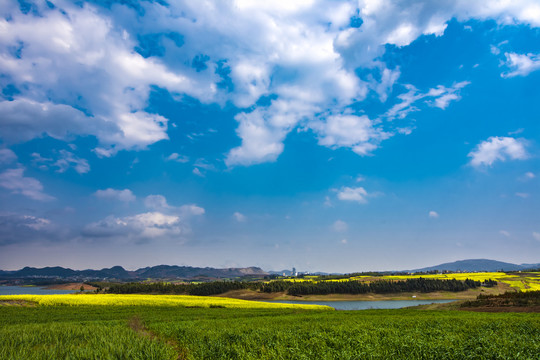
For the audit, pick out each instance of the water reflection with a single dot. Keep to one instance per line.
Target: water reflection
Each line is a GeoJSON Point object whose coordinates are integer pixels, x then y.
{"type": "Point", "coordinates": [365, 305]}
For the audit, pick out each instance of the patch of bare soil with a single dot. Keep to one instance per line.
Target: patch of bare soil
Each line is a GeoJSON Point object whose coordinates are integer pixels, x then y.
{"type": "Point", "coordinates": [71, 286]}
{"type": "Point", "coordinates": [17, 303]}
{"type": "Point", "coordinates": [136, 324]}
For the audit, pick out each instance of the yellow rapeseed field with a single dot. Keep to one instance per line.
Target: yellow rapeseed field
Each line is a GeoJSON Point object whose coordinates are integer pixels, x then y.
{"type": "Point", "coordinates": [524, 282]}
{"type": "Point", "coordinates": [154, 300]}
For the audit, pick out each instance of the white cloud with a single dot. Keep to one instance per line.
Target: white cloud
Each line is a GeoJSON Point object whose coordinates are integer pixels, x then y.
{"type": "Point", "coordinates": [68, 44]}
{"type": "Point", "coordinates": [521, 64]}
{"type": "Point", "coordinates": [523, 195]}
{"type": "Point", "coordinates": [159, 203]}
{"type": "Point", "coordinates": [433, 214]}
{"type": "Point", "coordinates": [343, 241]}
{"type": "Point", "coordinates": [498, 149]}
{"type": "Point", "coordinates": [64, 160]}
{"type": "Point", "coordinates": [340, 226]}
{"type": "Point", "coordinates": [536, 236]}
{"type": "Point", "coordinates": [443, 95]}
{"type": "Point", "coordinates": [198, 172]}
{"type": "Point", "coordinates": [302, 55]}
{"type": "Point", "coordinates": [358, 194]}
{"type": "Point", "coordinates": [156, 202]}
{"type": "Point", "coordinates": [68, 159]}
{"type": "Point", "coordinates": [239, 217]}
{"type": "Point", "coordinates": [121, 195]}
{"type": "Point", "coordinates": [355, 132]}
{"type": "Point", "coordinates": [439, 96]}
{"type": "Point", "coordinates": [138, 228]}
{"type": "Point", "coordinates": [504, 233]}
{"type": "Point", "coordinates": [529, 175]}
{"type": "Point", "coordinates": [328, 202]}
{"type": "Point", "coordinates": [14, 180]}
{"type": "Point", "coordinates": [191, 210]}
{"type": "Point", "coordinates": [178, 158]}
{"type": "Point", "coordinates": [165, 222]}
{"type": "Point", "coordinates": [7, 156]}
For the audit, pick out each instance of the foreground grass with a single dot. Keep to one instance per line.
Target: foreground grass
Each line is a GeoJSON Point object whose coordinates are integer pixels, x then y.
{"type": "Point", "coordinates": [171, 332]}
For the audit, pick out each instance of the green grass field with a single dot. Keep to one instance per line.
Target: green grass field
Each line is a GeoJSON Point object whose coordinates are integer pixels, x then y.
{"type": "Point", "coordinates": [170, 332]}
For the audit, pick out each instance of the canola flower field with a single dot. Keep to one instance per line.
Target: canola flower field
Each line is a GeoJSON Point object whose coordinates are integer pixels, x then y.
{"type": "Point", "coordinates": [528, 281]}
{"type": "Point", "coordinates": [152, 300]}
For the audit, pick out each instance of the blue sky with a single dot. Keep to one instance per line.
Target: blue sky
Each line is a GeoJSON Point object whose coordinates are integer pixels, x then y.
{"type": "Point", "coordinates": [331, 136]}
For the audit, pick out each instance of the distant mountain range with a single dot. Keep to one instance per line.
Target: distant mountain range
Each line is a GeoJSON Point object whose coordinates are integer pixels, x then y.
{"type": "Point", "coordinates": [119, 273]}
{"type": "Point", "coordinates": [478, 265]}
{"type": "Point", "coordinates": [173, 272]}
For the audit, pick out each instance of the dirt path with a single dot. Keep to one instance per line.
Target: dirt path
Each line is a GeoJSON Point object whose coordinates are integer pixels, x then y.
{"type": "Point", "coordinates": [137, 325]}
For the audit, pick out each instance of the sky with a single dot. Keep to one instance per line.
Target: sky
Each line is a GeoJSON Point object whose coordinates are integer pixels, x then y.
{"type": "Point", "coordinates": [334, 136]}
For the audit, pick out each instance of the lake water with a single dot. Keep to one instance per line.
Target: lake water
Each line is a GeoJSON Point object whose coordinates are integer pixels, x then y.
{"type": "Point", "coordinates": [365, 305]}
{"type": "Point", "coordinates": [31, 290]}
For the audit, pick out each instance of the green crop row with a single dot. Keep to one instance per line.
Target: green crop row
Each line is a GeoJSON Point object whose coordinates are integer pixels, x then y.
{"type": "Point", "coordinates": [110, 332]}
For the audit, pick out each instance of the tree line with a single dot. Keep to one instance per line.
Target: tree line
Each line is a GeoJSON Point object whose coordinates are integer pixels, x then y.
{"type": "Point", "coordinates": [202, 289]}
{"type": "Point", "coordinates": [377, 287]}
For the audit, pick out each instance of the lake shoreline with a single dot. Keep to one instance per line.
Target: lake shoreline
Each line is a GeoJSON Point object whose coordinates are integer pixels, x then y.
{"type": "Point", "coordinates": [470, 294]}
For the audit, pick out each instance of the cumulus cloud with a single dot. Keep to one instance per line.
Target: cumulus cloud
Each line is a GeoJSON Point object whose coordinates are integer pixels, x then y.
{"type": "Point", "coordinates": [156, 202]}
{"type": "Point", "coordinates": [65, 45]}
{"type": "Point", "coordinates": [358, 194]}
{"type": "Point", "coordinates": [15, 181]}
{"type": "Point", "coordinates": [121, 195]}
{"type": "Point", "coordinates": [18, 228]}
{"type": "Point", "coordinates": [521, 64]}
{"type": "Point", "coordinates": [191, 210]}
{"type": "Point", "coordinates": [340, 226]}
{"type": "Point", "coordinates": [433, 214]}
{"type": "Point", "coordinates": [159, 203]}
{"type": "Point", "coordinates": [7, 156]}
{"type": "Point", "coordinates": [504, 233]}
{"type": "Point", "coordinates": [239, 217]}
{"type": "Point", "coordinates": [355, 132]}
{"type": "Point", "coordinates": [164, 222]}
{"type": "Point", "coordinates": [536, 235]}
{"type": "Point", "coordinates": [140, 227]}
{"type": "Point", "coordinates": [83, 69]}
{"type": "Point", "coordinates": [498, 148]}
